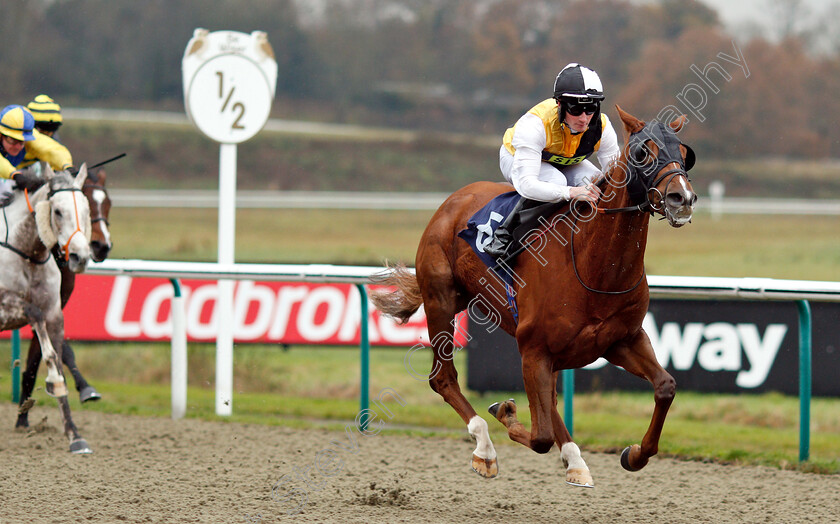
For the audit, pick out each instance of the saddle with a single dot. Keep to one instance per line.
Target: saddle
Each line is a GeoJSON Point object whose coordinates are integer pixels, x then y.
{"type": "Point", "coordinates": [482, 225]}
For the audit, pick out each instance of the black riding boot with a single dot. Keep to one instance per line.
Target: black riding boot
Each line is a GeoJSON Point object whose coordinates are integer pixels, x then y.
{"type": "Point", "coordinates": [523, 219]}
{"type": "Point", "coordinates": [503, 235]}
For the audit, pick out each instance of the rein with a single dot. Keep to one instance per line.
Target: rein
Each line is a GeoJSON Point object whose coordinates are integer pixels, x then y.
{"type": "Point", "coordinates": [13, 249]}
{"type": "Point", "coordinates": [600, 291]}
{"type": "Point", "coordinates": [645, 207]}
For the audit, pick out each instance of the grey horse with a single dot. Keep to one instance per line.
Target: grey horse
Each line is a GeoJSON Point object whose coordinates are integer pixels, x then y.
{"type": "Point", "coordinates": [56, 214]}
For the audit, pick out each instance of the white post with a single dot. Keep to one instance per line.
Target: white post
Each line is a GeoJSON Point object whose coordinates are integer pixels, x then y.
{"type": "Point", "coordinates": [224, 306]}
{"type": "Point", "coordinates": [716, 190]}
{"type": "Point", "coordinates": [229, 82]}
{"type": "Point", "coordinates": [179, 355]}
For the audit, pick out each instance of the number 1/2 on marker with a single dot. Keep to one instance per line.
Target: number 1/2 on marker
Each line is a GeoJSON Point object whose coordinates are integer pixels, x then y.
{"type": "Point", "coordinates": [237, 105]}
{"type": "Point", "coordinates": [221, 89]}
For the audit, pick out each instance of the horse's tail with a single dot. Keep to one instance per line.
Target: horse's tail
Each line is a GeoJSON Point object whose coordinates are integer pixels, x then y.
{"type": "Point", "coordinates": [401, 303]}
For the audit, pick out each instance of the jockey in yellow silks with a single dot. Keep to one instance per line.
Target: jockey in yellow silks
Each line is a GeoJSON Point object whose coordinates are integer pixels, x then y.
{"type": "Point", "coordinates": [21, 145]}
{"type": "Point", "coordinates": [544, 155]}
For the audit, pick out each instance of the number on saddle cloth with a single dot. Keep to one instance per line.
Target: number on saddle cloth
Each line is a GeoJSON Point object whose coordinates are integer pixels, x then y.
{"type": "Point", "coordinates": [481, 226]}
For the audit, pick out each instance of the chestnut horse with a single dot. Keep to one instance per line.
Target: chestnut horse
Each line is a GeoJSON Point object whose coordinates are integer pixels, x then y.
{"type": "Point", "coordinates": [94, 189]}
{"type": "Point", "coordinates": [579, 287]}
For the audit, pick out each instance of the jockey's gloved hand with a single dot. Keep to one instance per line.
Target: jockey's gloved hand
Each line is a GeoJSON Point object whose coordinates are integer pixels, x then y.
{"type": "Point", "coordinates": [27, 180]}
{"type": "Point", "coordinates": [6, 199]}
{"type": "Point", "coordinates": [73, 171]}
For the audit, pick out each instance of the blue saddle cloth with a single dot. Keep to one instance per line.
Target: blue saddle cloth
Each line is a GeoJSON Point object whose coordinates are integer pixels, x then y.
{"type": "Point", "coordinates": [480, 228]}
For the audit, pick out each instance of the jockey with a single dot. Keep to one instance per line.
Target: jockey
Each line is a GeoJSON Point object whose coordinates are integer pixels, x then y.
{"type": "Point", "coordinates": [21, 146]}
{"type": "Point", "coordinates": [544, 155]}
{"type": "Point", "coordinates": [47, 114]}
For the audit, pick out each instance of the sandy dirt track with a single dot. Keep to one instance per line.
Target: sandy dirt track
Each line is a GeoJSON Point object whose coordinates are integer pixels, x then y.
{"type": "Point", "coordinates": [158, 470]}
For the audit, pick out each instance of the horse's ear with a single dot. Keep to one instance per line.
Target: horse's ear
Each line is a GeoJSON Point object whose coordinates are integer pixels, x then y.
{"type": "Point", "coordinates": [678, 124]}
{"type": "Point", "coordinates": [631, 123]}
{"type": "Point", "coordinates": [49, 174]}
{"type": "Point", "coordinates": [81, 176]}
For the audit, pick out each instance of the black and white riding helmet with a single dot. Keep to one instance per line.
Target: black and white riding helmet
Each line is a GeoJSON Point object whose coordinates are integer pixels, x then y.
{"type": "Point", "coordinates": [577, 84]}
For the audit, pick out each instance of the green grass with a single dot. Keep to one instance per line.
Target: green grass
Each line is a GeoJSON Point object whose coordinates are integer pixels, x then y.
{"type": "Point", "coordinates": [270, 236]}
{"type": "Point", "coordinates": [306, 387]}
{"type": "Point", "coordinates": [790, 247]}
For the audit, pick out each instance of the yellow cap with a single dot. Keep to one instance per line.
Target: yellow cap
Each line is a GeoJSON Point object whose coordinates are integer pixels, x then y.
{"type": "Point", "coordinates": [44, 109]}
{"type": "Point", "coordinates": [16, 122]}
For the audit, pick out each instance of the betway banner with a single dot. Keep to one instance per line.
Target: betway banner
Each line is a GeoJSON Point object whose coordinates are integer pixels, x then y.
{"type": "Point", "coordinates": [125, 308]}
{"type": "Point", "coordinates": [710, 346]}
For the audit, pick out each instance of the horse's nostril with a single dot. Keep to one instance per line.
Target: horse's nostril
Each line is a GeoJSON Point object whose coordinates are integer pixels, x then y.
{"type": "Point", "coordinates": [99, 250]}
{"type": "Point", "coordinates": [675, 199]}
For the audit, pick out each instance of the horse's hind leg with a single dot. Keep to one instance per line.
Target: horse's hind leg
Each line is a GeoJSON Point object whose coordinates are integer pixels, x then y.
{"type": "Point", "coordinates": [440, 306]}
{"type": "Point", "coordinates": [86, 391]}
{"type": "Point", "coordinates": [27, 383]}
{"type": "Point", "coordinates": [539, 387]}
{"type": "Point", "coordinates": [636, 355]}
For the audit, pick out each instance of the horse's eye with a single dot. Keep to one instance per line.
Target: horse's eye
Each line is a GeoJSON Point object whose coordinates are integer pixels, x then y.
{"type": "Point", "coordinates": [58, 213]}
{"type": "Point", "coordinates": [641, 155]}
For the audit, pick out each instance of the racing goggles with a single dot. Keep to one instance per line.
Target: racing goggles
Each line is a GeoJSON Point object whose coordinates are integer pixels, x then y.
{"type": "Point", "coordinates": [578, 109]}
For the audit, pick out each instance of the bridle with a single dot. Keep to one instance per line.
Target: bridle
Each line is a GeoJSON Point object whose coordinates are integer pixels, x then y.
{"type": "Point", "coordinates": [66, 247]}
{"type": "Point", "coordinates": [641, 174]}
{"type": "Point", "coordinates": [62, 252]}
{"type": "Point", "coordinates": [100, 217]}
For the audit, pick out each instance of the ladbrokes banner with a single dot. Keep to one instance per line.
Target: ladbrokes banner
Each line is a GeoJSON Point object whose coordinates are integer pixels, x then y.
{"type": "Point", "coordinates": [125, 308]}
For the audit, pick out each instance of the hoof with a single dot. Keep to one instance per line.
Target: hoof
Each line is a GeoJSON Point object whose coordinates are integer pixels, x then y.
{"type": "Point", "coordinates": [494, 408]}
{"type": "Point", "coordinates": [22, 423]}
{"type": "Point", "coordinates": [80, 447]}
{"type": "Point", "coordinates": [56, 389]}
{"type": "Point", "coordinates": [487, 468]}
{"type": "Point", "coordinates": [24, 408]}
{"type": "Point", "coordinates": [625, 459]}
{"type": "Point", "coordinates": [579, 477]}
{"type": "Point", "coordinates": [89, 394]}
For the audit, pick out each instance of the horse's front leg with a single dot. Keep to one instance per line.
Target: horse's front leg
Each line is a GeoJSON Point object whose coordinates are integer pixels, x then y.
{"type": "Point", "coordinates": [636, 355]}
{"type": "Point", "coordinates": [577, 472]}
{"type": "Point", "coordinates": [56, 386]}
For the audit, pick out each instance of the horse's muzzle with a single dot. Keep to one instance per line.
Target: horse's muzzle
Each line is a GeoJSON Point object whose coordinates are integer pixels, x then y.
{"type": "Point", "coordinates": [99, 250]}
{"type": "Point", "coordinates": [679, 207]}
{"type": "Point", "coordinates": [76, 263]}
